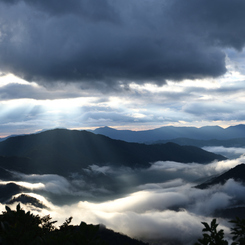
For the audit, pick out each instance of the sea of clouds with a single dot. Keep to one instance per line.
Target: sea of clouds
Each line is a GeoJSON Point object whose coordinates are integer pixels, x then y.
{"type": "Point", "coordinates": [151, 204]}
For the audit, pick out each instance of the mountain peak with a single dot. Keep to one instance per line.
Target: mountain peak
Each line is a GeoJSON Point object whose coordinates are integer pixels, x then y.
{"type": "Point", "coordinates": [104, 129]}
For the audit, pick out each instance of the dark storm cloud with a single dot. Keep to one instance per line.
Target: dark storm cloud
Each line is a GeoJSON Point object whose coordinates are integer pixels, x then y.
{"type": "Point", "coordinates": [95, 10]}
{"type": "Point", "coordinates": [218, 22]}
{"type": "Point", "coordinates": [115, 42]}
{"type": "Point", "coordinates": [217, 111]}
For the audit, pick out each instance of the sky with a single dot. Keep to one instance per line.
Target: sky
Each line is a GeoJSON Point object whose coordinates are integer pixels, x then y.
{"type": "Point", "coordinates": [131, 64]}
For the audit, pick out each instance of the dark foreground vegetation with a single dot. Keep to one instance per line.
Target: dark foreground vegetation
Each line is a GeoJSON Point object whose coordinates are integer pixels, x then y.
{"type": "Point", "coordinates": [18, 227]}
{"type": "Point", "coordinates": [212, 236]}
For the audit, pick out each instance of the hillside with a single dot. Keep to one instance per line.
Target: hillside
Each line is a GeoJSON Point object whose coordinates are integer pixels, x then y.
{"type": "Point", "coordinates": [236, 173]}
{"type": "Point", "coordinates": [237, 206]}
{"type": "Point", "coordinates": [64, 151]}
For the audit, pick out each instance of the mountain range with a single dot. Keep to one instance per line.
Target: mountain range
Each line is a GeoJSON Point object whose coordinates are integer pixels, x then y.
{"type": "Point", "coordinates": [168, 133]}
{"type": "Point", "coordinates": [236, 142]}
{"type": "Point", "coordinates": [63, 151]}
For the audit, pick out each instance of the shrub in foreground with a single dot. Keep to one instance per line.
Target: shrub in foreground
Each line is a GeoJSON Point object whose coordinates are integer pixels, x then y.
{"type": "Point", "coordinates": [18, 227]}
{"type": "Point", "coordinates": [212, 236]}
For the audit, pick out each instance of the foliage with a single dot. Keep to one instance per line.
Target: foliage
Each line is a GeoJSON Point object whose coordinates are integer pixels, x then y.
{"type": "Point", "coordinates": [238, 231]}
{"type": "Point", "coordinates": [215, 237]}
{"type": "Point", "coordinates": [20, 227]}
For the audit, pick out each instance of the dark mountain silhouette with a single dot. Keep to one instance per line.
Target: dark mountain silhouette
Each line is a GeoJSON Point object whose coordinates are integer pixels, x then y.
{"type": "Point", "coordinates": [64, 151]}
{"type": "Point", "coordinates": [10, 136]}
{"type": "Point", "coordinates": [8, 190]}
{"type": "Point", "coordinates": [111, 238]}
{"type": "Point", "coordinates": [13, 163]}
{"type": "Point", "coordinates": [170, 132]}
{"type": "Point", "coordinates": [237, 173]}
{"type": "Point", "coordinates": [27, 199]}
{"type": "Point", "coordinates": [14, 135]}
{"type": "Point", "coordinates": [4, 138]}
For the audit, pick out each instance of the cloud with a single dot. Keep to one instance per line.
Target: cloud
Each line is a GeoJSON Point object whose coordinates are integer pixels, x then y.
{"type": "Point", "coordinates": [13, 91]}
{"type": "Point", "coordinates": [95, 11]}
{"type": "Point", "coordinates": [193, 171]}
{"type": "Point", "coordinates": [112, 43]}
{"type": "Point", "coordinates": [222, 110]}
{"type": "Point", "coordinates": [229, 152]}
{"type": "Point", "coordinates": [33, 107]}
{"type": "Point", "coordinates": [160, 203]}
{"type": "Point", "coordinates": [235, 190]}
{"type": "Point", "coordinates": [146, 214]}
{"type": "Point", "coordinates": [53, 185]}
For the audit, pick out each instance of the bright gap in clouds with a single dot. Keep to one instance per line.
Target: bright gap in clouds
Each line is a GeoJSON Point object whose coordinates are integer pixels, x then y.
{"type": "Point", "coordinates": [27, 110]}
{"type": "Point", "coordinates": [30, 107]}
{"type": "Point", "coordinates": [6, 79]}
{"type": "Point", "coordinates": [39, 114]}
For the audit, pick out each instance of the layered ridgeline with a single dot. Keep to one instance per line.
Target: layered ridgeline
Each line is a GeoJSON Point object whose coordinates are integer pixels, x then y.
{"type": "Point", "coordinates": [62, 152]}
{"type": "Point", "coordinates": [237, 173]}
{"type": "Point", "coordinates": [236, 177]}
{"type": "Point", "coordinates": [203, 136]}
{"type": "Point", "coordinates": [235, 142]}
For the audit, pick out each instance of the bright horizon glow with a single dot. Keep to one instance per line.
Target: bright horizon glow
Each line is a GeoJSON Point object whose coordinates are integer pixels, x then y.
{"type": "Point", "coordinates": [143, 107]}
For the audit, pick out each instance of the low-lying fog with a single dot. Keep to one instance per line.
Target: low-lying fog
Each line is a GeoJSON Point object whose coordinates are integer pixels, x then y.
{"type": "Point", "coordinates": [152, 204]}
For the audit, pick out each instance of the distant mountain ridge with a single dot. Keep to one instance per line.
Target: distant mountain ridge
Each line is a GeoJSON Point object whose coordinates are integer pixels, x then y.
{"type": "Point", "coordinates": [62, 151]}
{"type": "Point", "coordinates": [171, 132]}
{"type": "Point", "coordinates": [236, 142]}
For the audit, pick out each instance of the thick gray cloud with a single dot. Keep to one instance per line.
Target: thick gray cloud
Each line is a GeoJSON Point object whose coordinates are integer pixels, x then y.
{"type": "Point", "coordinates": [26, 91]}
{"type": "Point", "coordinates": [94, 10]}
{"type": "Point", "coordinates": [115, 42]}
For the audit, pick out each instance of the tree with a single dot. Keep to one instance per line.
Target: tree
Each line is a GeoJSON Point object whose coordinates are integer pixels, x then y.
{"type": "Point", "coordinates": [18, 227]}
{"type": "Point", "coordinates": [213, 237]}
{"type": "Point", "coordinates": [238, 231]}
